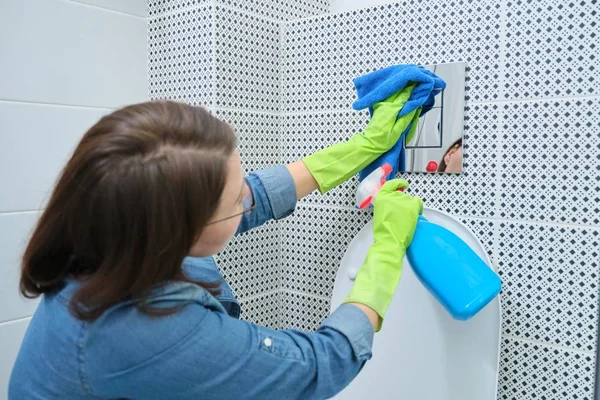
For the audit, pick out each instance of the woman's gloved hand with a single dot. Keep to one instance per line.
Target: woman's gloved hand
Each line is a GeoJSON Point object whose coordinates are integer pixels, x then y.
{"type": "Point", "coordinates": [394, 222]}
{"type": "Point", "coordinates": [336, 164]}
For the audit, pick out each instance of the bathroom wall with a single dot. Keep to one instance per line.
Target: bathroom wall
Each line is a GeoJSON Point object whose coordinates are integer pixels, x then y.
{"type": "Point", "coordinates": [281, 74]}
{"type": "Point", "coordinates": [531, 185]}
{"type": "Point", "coordinates": [225, 56]}
{"type": "Point", "coordinates": [64, 64]}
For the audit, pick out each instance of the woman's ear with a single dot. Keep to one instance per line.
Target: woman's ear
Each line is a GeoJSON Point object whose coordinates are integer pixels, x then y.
{"type": "Point", "coordinates": [447, 158]}
{"type": "Point", "coordinates": [448, 155]}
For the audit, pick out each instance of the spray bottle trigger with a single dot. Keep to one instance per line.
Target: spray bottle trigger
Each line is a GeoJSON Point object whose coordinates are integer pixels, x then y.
{"type": "Point", "coordinates": [366, 202]}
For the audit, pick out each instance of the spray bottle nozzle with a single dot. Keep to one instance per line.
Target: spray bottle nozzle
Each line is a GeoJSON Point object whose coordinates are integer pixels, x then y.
{"type": "Point", "coordinates": [369, 187]}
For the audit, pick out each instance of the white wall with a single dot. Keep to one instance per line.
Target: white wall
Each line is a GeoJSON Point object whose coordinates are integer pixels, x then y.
{"type": "Point", "coordinates": [63, 64]}
{"type": "Point", "coordinates": [347, 5]}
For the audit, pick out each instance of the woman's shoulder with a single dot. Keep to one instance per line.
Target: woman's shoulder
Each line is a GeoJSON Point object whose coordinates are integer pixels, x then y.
{"type": "Point", "coordinates": [129, 334]}
{"type": "Point", "coordinates": [125, 337]}
{"type": "Point", "coordinates": [123, 340]}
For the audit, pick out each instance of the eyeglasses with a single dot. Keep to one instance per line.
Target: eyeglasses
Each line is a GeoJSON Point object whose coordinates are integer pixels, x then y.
{"type": "Point", "coordinates": [247, 203]}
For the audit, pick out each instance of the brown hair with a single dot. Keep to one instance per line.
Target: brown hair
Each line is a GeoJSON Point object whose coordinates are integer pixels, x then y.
{"type": "Point", "coordinates": [442, 166]}
{"type": "Point", "coordinates": [129, 205]}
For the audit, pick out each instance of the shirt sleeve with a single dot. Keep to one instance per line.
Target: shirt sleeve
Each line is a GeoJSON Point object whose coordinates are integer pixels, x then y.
{"type": "Point", "coordinates": [274, 195]}
{"type": "Point", "coordinates": [224, 358]}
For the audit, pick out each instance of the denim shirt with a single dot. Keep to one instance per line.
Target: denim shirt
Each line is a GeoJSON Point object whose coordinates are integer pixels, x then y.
{"type": "Point", "coordinates": [201, 352]}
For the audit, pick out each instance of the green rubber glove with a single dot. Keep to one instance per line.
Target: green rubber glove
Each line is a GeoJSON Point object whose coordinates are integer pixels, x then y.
{"type": "Point", "coordinates": [394, 222]}
{"type": "Point", "coordinates": [338, 163]}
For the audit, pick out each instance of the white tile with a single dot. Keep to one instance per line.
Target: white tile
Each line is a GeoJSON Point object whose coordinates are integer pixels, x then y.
{"type": "Point", "coordinates": [250, 262]}
{"type": "Point", "coordinates": [550, 284]}
{"type": "Point", "coordinates": [301, 311]}
{"type": "Point", "coordinates": [15, 230]}
{"type": "Point", "coordinates": [534, 371]}
{"type": "Point", "coordinates": [262, 310]}
{"type": "Point", "coordinates": [551, 49]}
{"type": "Point", "coordinates": [61, 52]}
{"type": "Point", "coordinates": [313, 243]}
{"type": "Point", "coordinates": [247, 75]}
{"type": "Point", "coordinates": [134, 7]}
{"type": "Point", "coordinates": [485, 230]}
{"type": "Point", "coordinates": [11, 336]}
{"type": "Point", "coordinates": [175, 71]}
{"type": "Point", "coordinates": [35, 143]}
{"type": "Point", "coordinates": [258, 137]}
{"type": "Point", "coordinates": [549, 161]}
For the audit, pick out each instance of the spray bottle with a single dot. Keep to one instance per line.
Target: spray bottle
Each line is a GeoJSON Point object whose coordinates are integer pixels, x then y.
{"type": "Point", "coordinates": [452, 272]}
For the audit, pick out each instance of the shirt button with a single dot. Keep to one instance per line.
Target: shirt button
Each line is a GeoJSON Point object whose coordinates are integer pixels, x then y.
{"type": "Point", "coordinates": [268, 342]}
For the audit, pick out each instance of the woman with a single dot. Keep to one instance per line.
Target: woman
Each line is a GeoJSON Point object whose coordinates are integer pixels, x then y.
{"type": "Point", "coordinates": [122, 259]}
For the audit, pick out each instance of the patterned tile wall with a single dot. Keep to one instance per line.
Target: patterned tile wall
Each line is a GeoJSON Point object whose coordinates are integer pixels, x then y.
{"type": "Point", "coordinates": [302, 311]}
{"type": "Point", "coordinates": [258, 137]}
{"type": "Point", "coordinates": [549, 161]}
{"type": "Point", "coordinates": [313, 240]}
{"type": "Point", "coordinates": [262, 309]}
{"type": "Point", "coordinates": [544, 372]}
{"type": "Point", "coordinates": [342, 46]}
{"type": "Point", "coordinates": [181, 56]}
{"type": "Point", "coordinates": [247, 61]}
{"type": "Point", "coordinates": [224, 55]}
{"type": "Point", "coordinates": [198, 51]}
{"type": "Point", "coordinates": [281, 73]}
{"type": "Point", "coordinates": [531, 183]}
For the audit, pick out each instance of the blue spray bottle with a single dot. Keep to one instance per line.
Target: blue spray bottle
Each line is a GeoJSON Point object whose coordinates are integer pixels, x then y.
{"type": "Point", "coordinates": [452, 272]}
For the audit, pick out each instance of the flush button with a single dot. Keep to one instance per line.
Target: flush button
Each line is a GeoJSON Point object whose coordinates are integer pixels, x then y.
{"type": "Point", "coordinates": [268, 342]}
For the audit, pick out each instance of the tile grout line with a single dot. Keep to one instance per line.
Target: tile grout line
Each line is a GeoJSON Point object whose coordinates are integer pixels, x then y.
{"type": "Point", "coordinates": [501, 69]}
{"type": "Point", "coordinates": [330, 206]}
{"type": "Point", "coordinates": [14, 320]}
{"type": "Point", "coordinates": [181, 10]}
{"type": "Point", "coordinates": [550, 345]}
{"type": "Point", "coordinates": [331, 15]}
{"type": "Point", "coordinates": [313, 296]}
{"type": "Point", "coordinates": [498, 196]}
{"type": "Point", "coordinates": [104, 9]}
{"type": "Point", "coordinates": [256, 296]}
{"type": "Point", "coordinates": [541, 223]}
{"type": "Point", "coordinates": [230, 8]}
{"type": "Point", "coordinates": [538, 99]}
{"type": "Point", "coordinates": [280, 68]}
{"type": "Point", "coordinates": [281, 270]}
{"type": "Point", "coordinates": [17, 212]}
{"type": "Point", "coordinates": [41, 103]}
{"type": "Point", "coordinates": [469, 217]}
{"type": "Point", "coordinates": [248, 111]}
{"type": "Point", "coordinates": [213, 52]}
{"type": "Point", "coordinates": [274, 20]}
{"type": "Point", "coordinates": [149, 82]}
{"type": "Point", "coordinates": [214, 4]}
{"type": "Point", "coordinates": [471, 103]}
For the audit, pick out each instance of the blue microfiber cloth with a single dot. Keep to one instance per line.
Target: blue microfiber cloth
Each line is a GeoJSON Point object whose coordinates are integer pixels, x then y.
{"type": "Point", "coordinates": [379, 85]}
